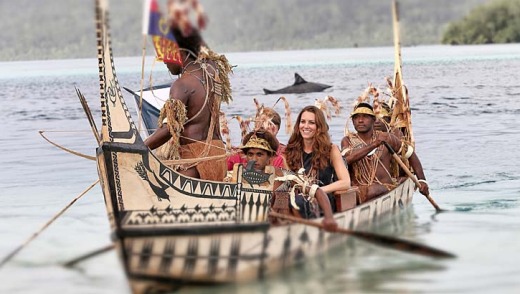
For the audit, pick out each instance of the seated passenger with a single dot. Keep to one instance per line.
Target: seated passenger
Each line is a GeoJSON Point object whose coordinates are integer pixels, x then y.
{"type": "Point", "coordinates": [382, 122]}
{"type": "Point", "coordinates": [310, 148]}
{"type": "Point", "coordinates": [369, 160]}
{"type": "Point", "coordinates": [271, 122]}
{"type": "Point", "coordinates": [259, 146]}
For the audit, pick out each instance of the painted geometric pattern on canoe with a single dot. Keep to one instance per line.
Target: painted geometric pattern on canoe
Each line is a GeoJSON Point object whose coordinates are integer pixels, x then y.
{"type": "Point", "coordinates": [299, 243]}
{"type": "Point", "coordinates": [110, 90]}
{"type": "Point", "coordinates": [198, 188]}
{"type": "Point", "coordinates": [117, 181]}
{"type": "Point", "coordinates": [215, 256]}
{"type": "Point", "coordinates": [254, 205]}
{"type": "Point", "coordinates": [182, 215]}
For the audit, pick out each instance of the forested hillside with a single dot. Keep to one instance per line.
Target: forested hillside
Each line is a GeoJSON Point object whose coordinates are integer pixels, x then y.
{"type": "Point", "coordinates": [496, 22]}
{"type": "Point", "coordinates": [65, 28]}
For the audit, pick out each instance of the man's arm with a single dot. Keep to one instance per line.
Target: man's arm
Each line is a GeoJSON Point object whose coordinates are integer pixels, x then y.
{"type": "Point", "coordinates": [158, 138]}
{"type": "Point", "coordinates": [415, 163]}
{"type": "Point", "coordinates": [329, 223]}
{"type": "Point", "coordinates": [358, 154]}
{"type": "Point", "coordinates": [162, 134]}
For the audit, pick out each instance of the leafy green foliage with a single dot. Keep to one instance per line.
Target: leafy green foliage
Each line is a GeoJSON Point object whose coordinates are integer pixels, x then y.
{"type": "Point", "coordinates": [497, 22]}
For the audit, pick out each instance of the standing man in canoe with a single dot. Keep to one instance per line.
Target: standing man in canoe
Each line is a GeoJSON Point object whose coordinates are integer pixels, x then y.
{"type": "Point", "coordinates": [189, 134]}
{"type": "Point", "coordinates": [369, 160]}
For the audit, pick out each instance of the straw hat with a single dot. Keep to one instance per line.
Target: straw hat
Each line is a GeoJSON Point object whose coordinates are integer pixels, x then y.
{"type": "Point", "coordinates": [258, 143]}
{"type": "Point", "coordinates": [363, 108]}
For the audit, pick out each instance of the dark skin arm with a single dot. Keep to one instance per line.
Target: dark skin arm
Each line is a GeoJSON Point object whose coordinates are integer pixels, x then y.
{"type": "Point", "coordinates": [415, 163]}
{"type": "Point", "coordinates": [158, 138]}
{"type": "Point", "coordinates": [358, 154]}
{"type": "Point", "coordinates": [162, 134]}
{"type": "Point", "coordinates": [329, 223]}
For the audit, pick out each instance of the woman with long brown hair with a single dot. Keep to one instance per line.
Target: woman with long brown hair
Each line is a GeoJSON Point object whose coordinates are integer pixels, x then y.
{"type": "Point", "coordinates": [310, 148]}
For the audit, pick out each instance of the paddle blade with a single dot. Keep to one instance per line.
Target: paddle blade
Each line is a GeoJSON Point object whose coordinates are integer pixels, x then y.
{"type": "Point", "coordinates": [398, 244]}
{"type": "Point", "coordinates": [381, 240]}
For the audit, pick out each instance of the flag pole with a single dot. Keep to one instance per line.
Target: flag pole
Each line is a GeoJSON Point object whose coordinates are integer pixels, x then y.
{"type": "Point", "coordinates": [402, 108]}
{"type": "Point", "coordinates": [146, 23]}
{"type": "Point", "coordinates": [141, 85]}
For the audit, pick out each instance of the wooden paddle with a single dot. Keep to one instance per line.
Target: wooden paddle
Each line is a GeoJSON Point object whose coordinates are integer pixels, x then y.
{"type": "Point", "coordinates": [78, 259]}
{"type": "Point", "coordinates": [37, 233]}
{"type": "Point", "coordinates": [385, 241]}
{"type": "Point", "coordinates": [88, 113]}
{"type": "Point", "coordinates": [412, 176]}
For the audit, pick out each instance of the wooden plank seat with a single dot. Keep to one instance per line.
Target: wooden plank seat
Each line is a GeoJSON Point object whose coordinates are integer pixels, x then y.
{"type": "Point", "coordinates": [346, 199]}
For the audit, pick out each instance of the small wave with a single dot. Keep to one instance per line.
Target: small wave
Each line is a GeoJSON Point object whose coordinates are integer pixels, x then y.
{"type": "Point", "coordinates": [455, 98]}
{"type": "Point", "coordinates": [470, 184]}
{"type": "Point", "coordinates": [42, 117]}
{"type": "Point", "coordinates": [441, 87]}
{"type": "Point", "coordinates": [463, 209]}
{"type": "Point", "coordinates": [487, 205]}
{"type": "Point", "coordinates": [46, 114]}
{"type": "Point", "coordinates": [444, 104]}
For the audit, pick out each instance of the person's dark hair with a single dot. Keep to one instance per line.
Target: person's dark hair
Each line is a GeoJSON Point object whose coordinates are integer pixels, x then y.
{"type": "Point", "coordinates": [386, 106]}
{"type": "Point", "coordinates": [192, 42]}
{"type": "Point", "coordinates": [363, 108]}
{"type": "Point", "coordinates": [322, 143]}
{"type": "Point", "coordinates": [364, 104]}
{"type": "Point", "coordinates": [262, 134]}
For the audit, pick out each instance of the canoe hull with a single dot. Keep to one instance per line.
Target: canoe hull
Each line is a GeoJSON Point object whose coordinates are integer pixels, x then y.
{"type": "Point", "coordinates": [203, 232]}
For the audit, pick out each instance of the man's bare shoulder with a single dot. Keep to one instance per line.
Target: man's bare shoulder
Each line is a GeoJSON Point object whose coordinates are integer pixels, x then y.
{"type": "Point", "coordinates": [345, 141]}
{"type": "Point", "coordinates": [179, 90]}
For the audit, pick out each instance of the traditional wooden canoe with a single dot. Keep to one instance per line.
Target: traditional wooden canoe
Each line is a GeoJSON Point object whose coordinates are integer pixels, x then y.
{"type": "Point", "coordinates": [171, 230]}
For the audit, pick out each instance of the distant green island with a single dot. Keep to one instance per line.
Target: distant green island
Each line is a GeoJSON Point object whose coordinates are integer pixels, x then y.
{"type": "Point", "coordinates": [497, 22]}
{"type": "Point", "coordinates": [60, 29]}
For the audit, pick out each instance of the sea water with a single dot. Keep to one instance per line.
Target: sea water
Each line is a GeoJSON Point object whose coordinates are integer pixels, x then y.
{"type": "Point", "coordinates": [465, 111]}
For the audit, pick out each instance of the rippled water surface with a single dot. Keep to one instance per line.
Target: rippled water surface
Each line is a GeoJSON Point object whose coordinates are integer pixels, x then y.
{"type": "Point", "coordinates": [465, 108]}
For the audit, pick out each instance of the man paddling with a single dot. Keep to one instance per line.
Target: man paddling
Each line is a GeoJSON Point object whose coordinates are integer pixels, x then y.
{"type": "Point", "coordinates": [369, 160]}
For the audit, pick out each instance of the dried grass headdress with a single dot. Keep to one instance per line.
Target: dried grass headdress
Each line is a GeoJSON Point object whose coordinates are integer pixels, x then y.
{"type": "Point", "coordinates": [259, 143]}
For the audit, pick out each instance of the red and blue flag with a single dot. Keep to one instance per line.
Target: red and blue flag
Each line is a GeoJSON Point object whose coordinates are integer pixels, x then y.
{"type": "Point", "coordinates": [157, 26]}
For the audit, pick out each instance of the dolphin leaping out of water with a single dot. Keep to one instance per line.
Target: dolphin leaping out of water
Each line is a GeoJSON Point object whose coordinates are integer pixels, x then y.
{"type": "Point", "coordinates": [299, 86]}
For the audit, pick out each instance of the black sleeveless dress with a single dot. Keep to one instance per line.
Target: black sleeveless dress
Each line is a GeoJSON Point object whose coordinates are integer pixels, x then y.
{"type": "Point", "coordinates": [324, 176]}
